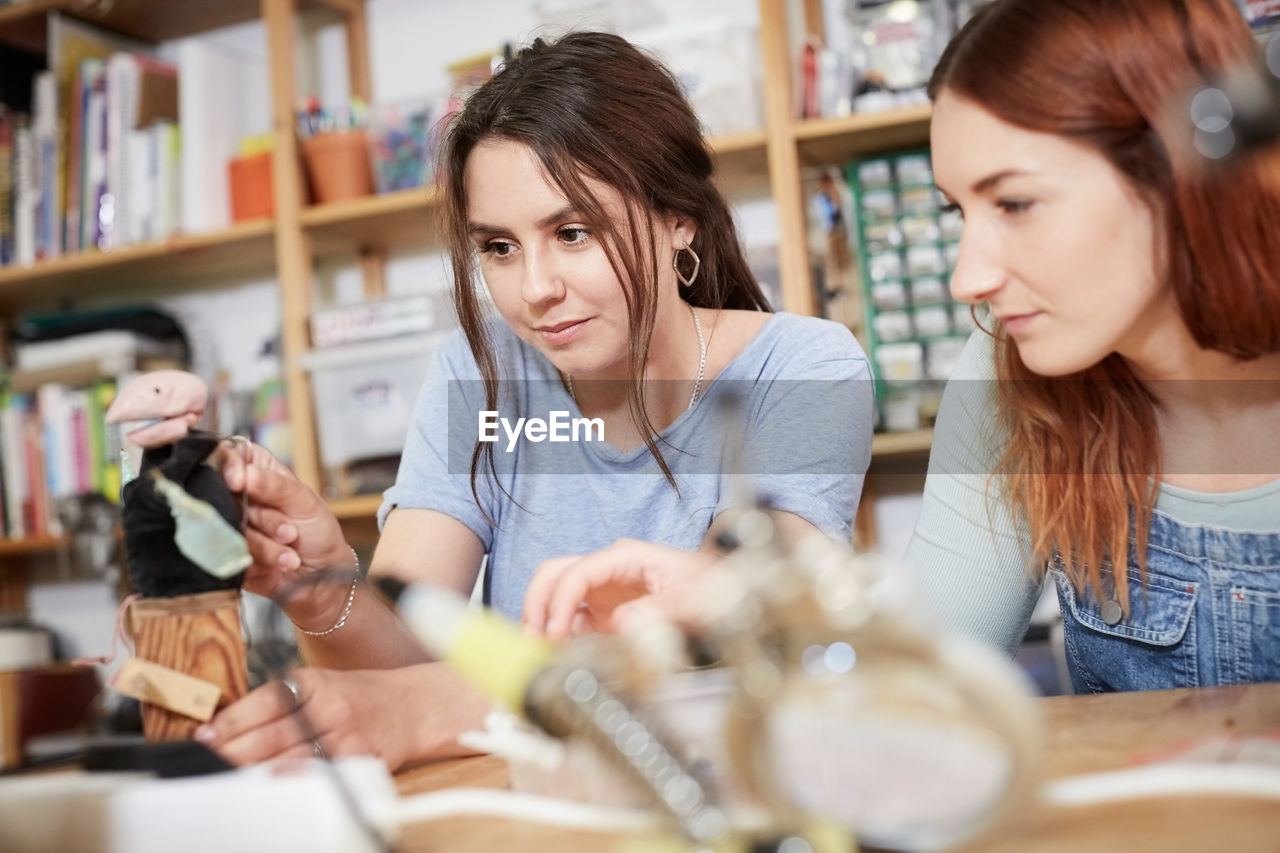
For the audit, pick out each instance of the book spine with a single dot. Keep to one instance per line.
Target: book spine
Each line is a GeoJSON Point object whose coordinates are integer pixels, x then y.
{"type": "Point", "coordinates": [92, 166]}
{"type": "Point", "coordinates": [25, 195]}
{"type": "Point", "coordinates": [13, 445]}
{"type": "Point", "coordinates": [48, 227]}
{"type": "Point", "coordinates": [77, 404]}
{"type": "Point", "coordinates": [139, 190]}
{"type": "Point", "coordinates": [4, 480]}
{"type": "Point", "coordinates": [95, 428]}
{"type": "Point", "coordinates": [6, 188]}
{"type": "Point", "coordinates": [109, 438]}
{"type": "Point", "coordinates": [36, 508]}
{"type": "Point", "coordinates": [96, 201]}
{"type": "Point", "coordinates": [75, 161]}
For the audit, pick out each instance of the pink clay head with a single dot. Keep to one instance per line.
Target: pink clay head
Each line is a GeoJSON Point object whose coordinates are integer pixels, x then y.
{"type": "Point", "coordinates": [169, 402]}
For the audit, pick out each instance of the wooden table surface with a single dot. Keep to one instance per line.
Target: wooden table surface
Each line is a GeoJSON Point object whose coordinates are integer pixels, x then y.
{"type": "Point", "coordinates": [1085, 734]}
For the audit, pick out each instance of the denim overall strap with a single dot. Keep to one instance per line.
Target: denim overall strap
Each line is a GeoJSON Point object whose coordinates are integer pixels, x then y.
{"type": "Point", "coordinates": [1208, 614]}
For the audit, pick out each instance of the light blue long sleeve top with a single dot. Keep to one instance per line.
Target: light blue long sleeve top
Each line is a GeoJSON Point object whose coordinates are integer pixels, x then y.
{"type": "Point", "coordinates": [971, 555]}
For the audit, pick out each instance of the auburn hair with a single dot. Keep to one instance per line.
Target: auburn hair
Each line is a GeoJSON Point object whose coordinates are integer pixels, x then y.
{"type": "Point", "coordinates": [1083, 457]}
{"type": "Point", "coordinates": [592, 105]}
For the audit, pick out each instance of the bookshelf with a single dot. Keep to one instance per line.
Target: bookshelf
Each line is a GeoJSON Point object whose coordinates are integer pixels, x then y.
{"type": "Point", "coordinates": [30, 545]}
{"type": "Point", "coordinates": [406, 219]}
{"type": "Point", "coordinates": [298, 235]}
{"type": "Point", "coordinates": [898, 444]}
{"type": "Point", "coordinates": [396, 220]}
{"type": "Point", "coordinates": [364, 506]}
{"type": "Point", "coordinates": [181, 261]}
{"type": "Point", "coordinates": [838, 140]}
{"type": "Point", "coordinates": [23, 24]}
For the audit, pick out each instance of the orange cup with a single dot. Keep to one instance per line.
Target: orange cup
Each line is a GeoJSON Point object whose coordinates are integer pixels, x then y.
{"type": "Point", "coordinates": [251, 192]}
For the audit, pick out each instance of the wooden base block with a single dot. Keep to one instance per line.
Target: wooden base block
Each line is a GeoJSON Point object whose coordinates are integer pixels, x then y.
{"type": "Point", "coordinates": [195, 634]}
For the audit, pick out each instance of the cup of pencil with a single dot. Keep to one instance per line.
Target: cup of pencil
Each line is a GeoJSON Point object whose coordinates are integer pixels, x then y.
{"type": "Point", "coordinates": [335, 151]}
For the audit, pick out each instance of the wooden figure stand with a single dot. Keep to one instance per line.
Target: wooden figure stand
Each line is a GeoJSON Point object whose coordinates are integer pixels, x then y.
{"type": "Point", "coordinates": [187, 559]}
{"type": "Point", "coordinates": [198, 635]}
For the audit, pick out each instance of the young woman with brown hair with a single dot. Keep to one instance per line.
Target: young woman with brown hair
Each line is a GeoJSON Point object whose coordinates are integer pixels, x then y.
{"type": "Point", "coordinates": [1124, 405]}
{"type": "Point", "coordinates": [579, 197]}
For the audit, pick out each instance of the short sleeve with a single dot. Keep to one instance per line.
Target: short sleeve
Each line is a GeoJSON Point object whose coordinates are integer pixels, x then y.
{"type": "Point", "coordinates": [426, 479]}
{"type": "Point", "coordinates": [969, 555]}
{"type": "Point", "coordinates": [808, 424]}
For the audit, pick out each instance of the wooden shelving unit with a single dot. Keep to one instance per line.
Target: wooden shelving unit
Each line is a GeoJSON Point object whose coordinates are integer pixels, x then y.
{"type": "Point", "coordinates": [382, 222]}
{"type": "Point", "coordinates": [178, 263]}
{"type": "Point", "coordinates": [408, 218]}
{"type": "Point", "coordinates": [362, 506]}
{"type": "Point", "coordinates": [838, 140]}
{"type": "Point", "coordinates": [891, 444]}
{"type": "Point", "coordinates": [30, 545]}
{"type": "Point", "coordinates": [368, 228]}
{"type": "Point", "coordinates": [146, 20]}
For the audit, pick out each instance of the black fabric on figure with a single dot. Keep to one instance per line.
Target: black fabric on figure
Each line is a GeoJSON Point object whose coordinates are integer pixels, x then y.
{"type": "Point", "coordinates": [157, 567]}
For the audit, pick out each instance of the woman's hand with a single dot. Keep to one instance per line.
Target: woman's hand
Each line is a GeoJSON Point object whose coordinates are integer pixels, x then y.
{"type": "Point", "coordinates": [569, 596]}
{"type": "Point", "coordinates": [355, 712]}
{"type": "Point", "coordinates": [291, 533]}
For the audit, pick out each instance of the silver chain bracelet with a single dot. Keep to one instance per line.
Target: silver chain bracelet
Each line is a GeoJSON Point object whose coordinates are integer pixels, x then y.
{"type": "Point", "coordinates": [346, 611]}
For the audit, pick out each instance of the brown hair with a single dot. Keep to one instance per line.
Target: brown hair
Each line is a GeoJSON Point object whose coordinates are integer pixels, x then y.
{"type": "Point", "coordinates": [1083, 448]}
{"type": "Point", "coordinates": [593, 105]}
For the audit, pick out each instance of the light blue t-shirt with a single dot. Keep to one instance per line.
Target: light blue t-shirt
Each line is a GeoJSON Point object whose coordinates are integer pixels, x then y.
{"type": "Point", "coordinates": [788, 421]}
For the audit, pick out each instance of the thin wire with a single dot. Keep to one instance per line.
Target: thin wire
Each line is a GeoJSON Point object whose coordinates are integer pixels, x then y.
{"type": "Point", "coordinates": [308, 731]}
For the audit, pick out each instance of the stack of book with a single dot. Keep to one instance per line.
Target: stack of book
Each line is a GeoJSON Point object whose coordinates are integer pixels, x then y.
{"type": "Point", "coordinates": [89, 146]}
{"type": "Point", "coordinates": [54, 443]}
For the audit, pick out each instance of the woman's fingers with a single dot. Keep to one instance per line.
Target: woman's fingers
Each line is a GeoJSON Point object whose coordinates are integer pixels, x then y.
{"type": "Point", "coordinates": [256, 727]}
{"type": "Point", "coordinates": [271, 563]}
{"type": "Point", "coordinates": [264, 743]}
{"type": "Point", "coordinates": [573, 595]}
{"type": "Point", "coordinates": [268, 724]}
{"type": "Point", "coordinates": [601, 581]}
{"type": "Point", "coordinates": [585, 577]}
{"type": "Point", "coordinates": [233, 465]}
{"type": "Point", "coordinates": [272, 523]}
{"type": "Point", "coordinates": [281, 490]}
{"type": "Point", "coordinates": [582, 623]}
{"type": "Point", "coordinates": [538, 595]}
{"type": "Point", "coordinates": [270, 554]}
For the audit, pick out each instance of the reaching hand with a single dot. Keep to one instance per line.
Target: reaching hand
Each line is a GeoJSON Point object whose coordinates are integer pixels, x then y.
{"type": "Point", "coordinates": [569, 596]}
{"type": "Point", "coordinates": [358, 712]}
{"type": "Point", "coordinates": [291, 532]}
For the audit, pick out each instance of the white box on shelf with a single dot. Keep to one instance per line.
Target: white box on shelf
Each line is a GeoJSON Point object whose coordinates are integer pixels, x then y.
{"type": "Point", "coordinates": [364, 395]}
{"type": "Point", "coordinates": [375, 320]}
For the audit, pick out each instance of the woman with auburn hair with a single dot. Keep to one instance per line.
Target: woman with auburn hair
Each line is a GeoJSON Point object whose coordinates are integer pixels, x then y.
{"type": "Point", "coordinates": [598, 276]}
{"type": "Point", "coordinates": [1135, 348]}
{"type": "Point", "coordinates": [1124, 405]}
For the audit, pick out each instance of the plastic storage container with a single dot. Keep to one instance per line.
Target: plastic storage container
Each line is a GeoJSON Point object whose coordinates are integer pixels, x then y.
{"type": "Point", "coordinates": [402, 144]}
{"type": "Point", "coordinates": [364, 395]}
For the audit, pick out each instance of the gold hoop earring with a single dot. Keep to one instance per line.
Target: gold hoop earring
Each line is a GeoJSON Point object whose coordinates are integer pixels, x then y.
{"type": "Point", "coordinates": [675, 265]}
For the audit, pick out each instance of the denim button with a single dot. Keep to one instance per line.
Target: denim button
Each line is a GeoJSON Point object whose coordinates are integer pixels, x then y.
{"type": "Point", "coordinates": [1111, 612]}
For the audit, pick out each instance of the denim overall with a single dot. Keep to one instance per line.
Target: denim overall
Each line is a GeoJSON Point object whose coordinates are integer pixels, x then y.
{"type": "Point", "coordinates": [1208, 614]}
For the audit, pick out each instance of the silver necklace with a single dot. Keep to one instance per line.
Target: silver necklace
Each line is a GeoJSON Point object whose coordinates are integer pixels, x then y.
{"type": "Point", "coordinates": [702, 364]}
